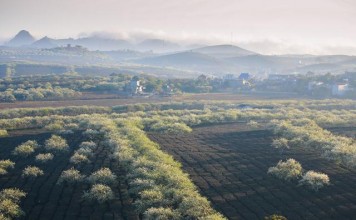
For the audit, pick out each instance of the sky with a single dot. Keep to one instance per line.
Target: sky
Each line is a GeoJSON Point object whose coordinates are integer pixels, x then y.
{"type": "Point", "coordinates": [270, 27]}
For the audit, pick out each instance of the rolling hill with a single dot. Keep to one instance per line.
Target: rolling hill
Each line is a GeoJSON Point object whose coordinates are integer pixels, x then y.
{"type": "Point", "coordinates": [186, 60]}
{"type": "Point", "coordinates": [224, 51]}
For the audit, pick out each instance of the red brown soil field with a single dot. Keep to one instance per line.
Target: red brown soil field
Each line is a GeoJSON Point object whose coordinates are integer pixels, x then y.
{"type": "Point", "coordinates": [47, 200]}
{"type": "Point", "coordinates": [229, 165]}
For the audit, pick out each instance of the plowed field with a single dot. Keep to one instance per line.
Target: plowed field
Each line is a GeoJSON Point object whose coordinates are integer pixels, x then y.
{"type": "Point", "coordinates": [229, 164]}
{"type": "Point", "coordinates": [48, 200]}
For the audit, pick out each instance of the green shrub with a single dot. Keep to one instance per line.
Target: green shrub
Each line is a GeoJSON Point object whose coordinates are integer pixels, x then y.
{"type": "Point", "coordinates": [100, 193]}
{"type": "Point", "coordinates": [4, 165]}
{"type": "Point", "coordinates": [3, 133]}
{"type": "Point", "coordinates": [150, 198]}
{"type": "Point", "coordinates": [253, 124]}
{"type": "Point", "coordinates": [88, 144]}
{"type": "Point", "coordinates": [9, 199]}
{"type": "Point", "coordinates": [56, 144]}
{"type": "Point", "coordinates": [71, 126]}
{"type": "Point", "coordinates": [84, 151]}
{"type": "Point", "coordinates": [289, 170]}
{"type": "Point", "coordinates": [10, 209]}
{"type": "Point", "coordinates": [13, 194]}
{"type": "Point", "coordinates": [70, 176]}
{"type": "Point", "coordinates": [55, 126]}
{"type": "Point", "coordinates": [280, 143]}
{"type": "Point", "coordinates": [167, 127]}
{"type": "Point", "coordinates": [103, 176]}
{"type": "Point", "coordinates": [26, 149]}
{"type": "Point", "coordinates": [43, 158]}
{"type": "Point", "coordinates": [197, 207]}
{"type": "Point", "coordinates": [315, 180]}
{"type": "Point", "coordinates": [92, 134]}
{"type": "Point", "coordinates": [32, 171]}
{"type": "Point", "coordinates": [78, 158]}
{"type": "Point", "coordinates": [275, 217]}
{"type": "Point", "coordinates": [86, 148]}
{"type": "Point", "coordinates": [161, 213]}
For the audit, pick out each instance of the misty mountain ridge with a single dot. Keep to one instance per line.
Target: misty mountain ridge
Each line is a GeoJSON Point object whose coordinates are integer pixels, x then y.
{"type": "Point", "coordinates": [158, 53]}
{"type": "Point", "coordinates": [25, 39]}
{"type": "Point", "coordinates": [158, 46]}
{"type": "Point", "coordinates": [45, 42]}
{"type": "Point", "coordinates": [224, 51]}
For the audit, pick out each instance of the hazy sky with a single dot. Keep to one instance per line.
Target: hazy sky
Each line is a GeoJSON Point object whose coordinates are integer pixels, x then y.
{"type": "Point", "coordinates": [270, 26]}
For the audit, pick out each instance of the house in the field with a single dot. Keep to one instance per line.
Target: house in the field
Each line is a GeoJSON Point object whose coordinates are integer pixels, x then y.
{"type": "Point", "coordinates": [339, 89]}
{"type": "Point", "coordinates": [231, 81]}
{"type": "Point", "coordinates": [314, 84]}
{"type": "Point", "coordinates": [135, 87]}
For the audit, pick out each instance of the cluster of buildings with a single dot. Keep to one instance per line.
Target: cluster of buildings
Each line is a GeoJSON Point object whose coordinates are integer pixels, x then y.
{"type": "Point", "coordinates": [309, 85]}
{"type": "Point", "coordinates": [242, 80]}
{"type": "Point", "coordinates": [314, 85]}
{"type": "Point", "coordinates": [317, 85]}
{"type": "Point", "coordinates": [336, 89]}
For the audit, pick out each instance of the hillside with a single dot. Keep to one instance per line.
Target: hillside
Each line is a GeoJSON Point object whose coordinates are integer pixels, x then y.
{"type": "Point", "coordinates": [186, 60]}
{"type": "Point", "coordinates": [45, 42]}
{"type": "Point", "coordinates": [224, 51]}
{"type": "Point", "coordinates": [23, 38]}
{"type": "Point", "coordinates": [157, 46]}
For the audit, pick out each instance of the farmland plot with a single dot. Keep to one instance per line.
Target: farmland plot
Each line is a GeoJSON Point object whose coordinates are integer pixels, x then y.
{"type": "Point", "coordinates": [229, 165]}
{"type": "Point", "coordinates": [46, 199]}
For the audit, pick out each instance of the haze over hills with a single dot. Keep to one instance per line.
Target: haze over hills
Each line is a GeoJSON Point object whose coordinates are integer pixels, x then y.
{"type": "Point", "coordinates": [224, 51]}
{"type": "Point", "coordinates": [158, 45]}
{"type": "Point", "coordinates": [45, 42]}
{"type": "Point", "coordinates": [163, 54]}
{"type": "Point", "coordinates": [187, 60]}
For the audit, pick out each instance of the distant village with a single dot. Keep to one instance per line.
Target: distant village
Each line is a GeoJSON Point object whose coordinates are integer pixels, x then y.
{"type": "Point", "coordinates": [318, 86]}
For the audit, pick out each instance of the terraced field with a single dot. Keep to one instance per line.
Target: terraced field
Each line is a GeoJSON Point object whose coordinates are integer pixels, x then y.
{"type": "Point", "coordinates": [229, 164]}
{"type": "Point", "coordinates": [48, 200]}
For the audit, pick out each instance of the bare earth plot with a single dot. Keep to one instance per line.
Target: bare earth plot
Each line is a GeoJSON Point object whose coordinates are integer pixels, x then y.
{"type": "Point", "coordinates": [48, 200]}
{"type": "Point", "coordinates": [229, 165]}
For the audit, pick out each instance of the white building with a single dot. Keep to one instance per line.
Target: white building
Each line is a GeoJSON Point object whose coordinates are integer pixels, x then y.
{"type": "Point", "coordinates": [339, 89]}
{"type": "Point", "coordinates": [135, 87]}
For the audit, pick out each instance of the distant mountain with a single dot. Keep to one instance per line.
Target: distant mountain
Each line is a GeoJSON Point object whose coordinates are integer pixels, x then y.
{"type": "Point", "coordinates": [103, 44]}
{"type": "Point", "coordinates": [254, 61]}
{"type": "Point", "coordinates": [158, 54]}
{"type": "Point", "coordinates": [157, 46]}
{"type": "Point", "coordinates": [125, 55]}
{"type": "Point", "coordinates": [224, 51]}
{"type": "Point", "coordinates": [23, 38]}
{"type": "Point", "coordinates": [45, 42]}
{"type": "Point", "coordinates": [92, 43]}
{"type": "Point", "coordinates": [186, 60]}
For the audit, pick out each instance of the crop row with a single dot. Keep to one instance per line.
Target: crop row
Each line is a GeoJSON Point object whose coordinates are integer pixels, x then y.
{"type": "Point", "coordinates": [306, 133]}
{"type": "Point", "coordinates": [326, 105]}
{"type": "Point", "coordinates": [160, 189]}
